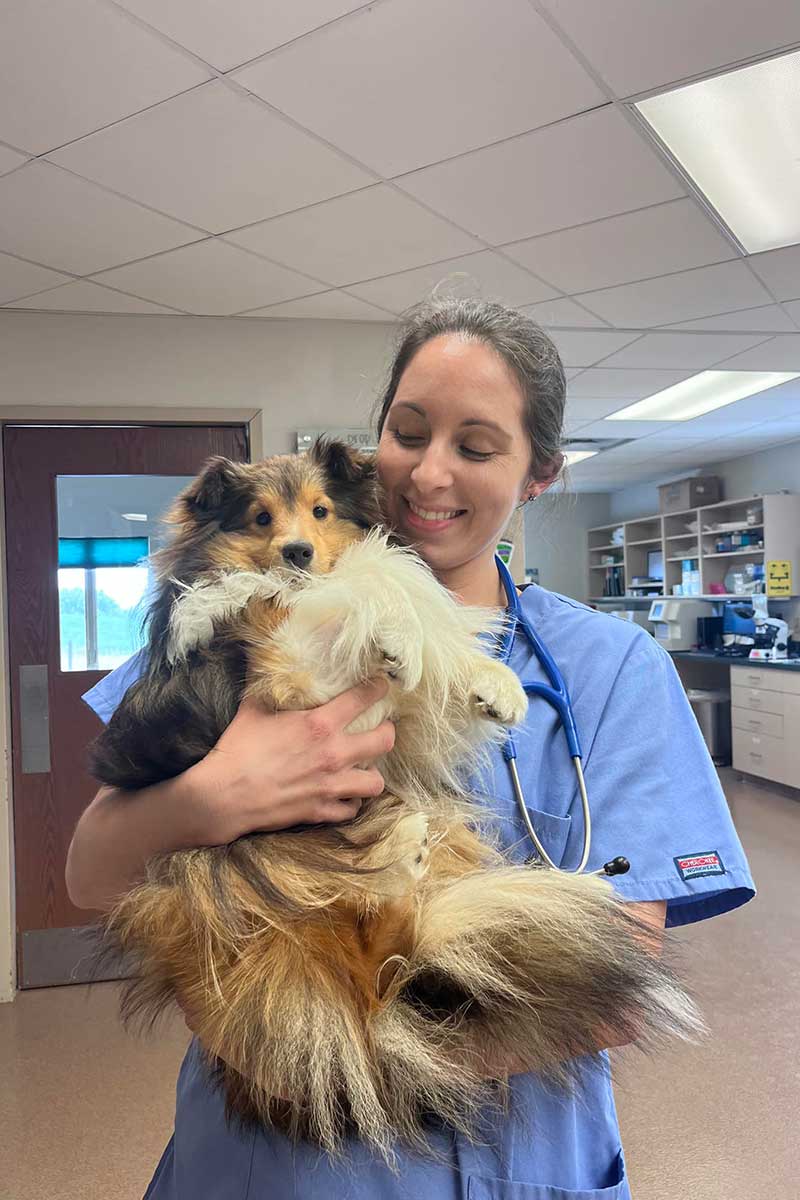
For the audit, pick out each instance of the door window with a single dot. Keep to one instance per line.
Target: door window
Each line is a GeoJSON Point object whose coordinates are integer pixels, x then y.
{"type": "Point", "coordinates": [107, 526]}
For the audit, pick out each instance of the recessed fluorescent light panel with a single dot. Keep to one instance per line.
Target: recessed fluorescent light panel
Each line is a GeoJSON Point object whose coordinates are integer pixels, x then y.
{"type": "Point", "coordinates": [738, 136]}
{"type": "Point", "coordinates": [701, 394]}
{"type": "Point", "coordinates": [576, 456]}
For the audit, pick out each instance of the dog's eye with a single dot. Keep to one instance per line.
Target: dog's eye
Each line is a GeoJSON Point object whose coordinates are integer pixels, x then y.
{"type": "Point", "coordinates": [320, 511]}
{"type": "Point", "coordinates": [263, 518]}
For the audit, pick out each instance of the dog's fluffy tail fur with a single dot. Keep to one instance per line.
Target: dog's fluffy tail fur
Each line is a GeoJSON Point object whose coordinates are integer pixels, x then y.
{"type": "Point", "coordinates": [517, 969]}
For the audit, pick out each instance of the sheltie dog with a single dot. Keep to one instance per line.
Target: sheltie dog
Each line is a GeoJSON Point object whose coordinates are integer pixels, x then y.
{"type": "Point", "coordinates": [357, 978]}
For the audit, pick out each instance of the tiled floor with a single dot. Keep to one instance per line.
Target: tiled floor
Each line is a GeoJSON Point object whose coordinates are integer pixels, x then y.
{"type": "Point", "coordinates": [85, 1111]}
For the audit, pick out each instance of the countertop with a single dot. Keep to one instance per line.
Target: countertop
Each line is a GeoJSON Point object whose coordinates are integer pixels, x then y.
{"type": "Point", "coordinates": [791, 664]}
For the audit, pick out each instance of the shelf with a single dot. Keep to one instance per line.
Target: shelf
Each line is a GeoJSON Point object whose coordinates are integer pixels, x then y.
{"type": "Point", "coordinates": [610, 546]}
{"type": "Point", "coordinates": [757, 499]}
{"type": "Point", "coordinates": [604, 566]}
{"type": "Point", "coordinates": [676, 537]}
{"type": "Point", "coordinates": [684, 557]}
{"type": "Point", "coordinates": [645, 541]}
{"type": "Point", "coordinates": [735, 553]}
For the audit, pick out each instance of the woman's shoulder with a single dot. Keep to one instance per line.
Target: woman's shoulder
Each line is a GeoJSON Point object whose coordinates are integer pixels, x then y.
{"type": "Point", "coordinates": [584, 630]}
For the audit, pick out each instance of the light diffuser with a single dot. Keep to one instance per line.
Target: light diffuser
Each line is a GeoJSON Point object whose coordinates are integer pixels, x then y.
{"type": "Point", "coordinates": [737, 135]}
{"type": "Point", "coordinates": [701, 394]}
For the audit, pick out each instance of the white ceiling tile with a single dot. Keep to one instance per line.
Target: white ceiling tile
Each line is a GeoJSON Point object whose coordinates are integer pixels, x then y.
{"type": "Point", "coordinates": [780, 270]}
{"type": "Point", "coordinates": [373, 232]}
{"type": "Point", "coordinates": [621, 384]}
{"type": "Point", "coordinates": [792, 307]}
{"type": "Point", "coordinates": [579, 348]}
{"type": "Point", "coordinates": [10, 159]}
{"type": "Point", "coordinates": [768, 318]}
{"type": "Point", "coordinates": [637, 245]}
{"type": "Point", "coordinates": [780, 353]}
{"type": "Point", "coordinates": [214, 158]}
{"type": "Point", "coordinates": [334, 306]}
{"type": "Point", "coordinates": [409, 82]}
{"type": "Point", "coordinates": [625, 429]}
{"type": "Point", "coordinates": [572, 372]}
{"type": "Point", "coordinates": [232, 33]}
{"type": "Point", "coordinates": [55, 218]}
{"type": "Point", "coordinates": [637, 45]}
{"type": "Point", "coordinates": [18, 278]}
{"type": "Point", "coordinates": [688, 294]}
{"type": "Point", "coordinates": [549, 179]}
{"type": "Point", "coordinates": [484, 274]}
{"type": "Point", "coordinates": [683, 351]}
{"type": "Point", "coordinates": [70, 67]}
{"type": "Point", "coordinates": [589, 408]}
{"type": "Point", "coordinates": [83, 296]}
{"type": "Point", "coordinates": [210, 278]}
{"type": "Point", "coordinates": [563, 312]}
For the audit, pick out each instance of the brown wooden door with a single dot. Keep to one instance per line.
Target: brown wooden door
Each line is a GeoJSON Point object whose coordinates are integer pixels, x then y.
{"type": "Point", "coordinates": [50, 725]}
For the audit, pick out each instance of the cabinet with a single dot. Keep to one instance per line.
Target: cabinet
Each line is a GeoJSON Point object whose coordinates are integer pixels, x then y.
{"type": "Point", "coordinates": [768, 524]}
{"type": "Point", "coordinates": [765, 715]}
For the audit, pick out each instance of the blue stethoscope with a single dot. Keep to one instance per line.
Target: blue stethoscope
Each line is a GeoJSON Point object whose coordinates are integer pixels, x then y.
{"type": "Point", "coordinates": [556, 694]}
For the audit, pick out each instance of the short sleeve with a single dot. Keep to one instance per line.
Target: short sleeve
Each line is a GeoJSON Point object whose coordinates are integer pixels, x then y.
{"type": "Point", "coordinates": [656, 798]}
{"type": "Point", "coordinates": [105, 696]}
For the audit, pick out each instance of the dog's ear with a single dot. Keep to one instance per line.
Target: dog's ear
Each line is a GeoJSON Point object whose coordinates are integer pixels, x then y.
{"type": "Point", "coordinates": [342, 463]}
{"type": "Point", "coordinates": [217, 493]}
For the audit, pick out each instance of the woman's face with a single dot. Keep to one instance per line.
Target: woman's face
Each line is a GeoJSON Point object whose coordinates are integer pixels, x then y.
{"type": "Point", "coordinates": [454, 455]}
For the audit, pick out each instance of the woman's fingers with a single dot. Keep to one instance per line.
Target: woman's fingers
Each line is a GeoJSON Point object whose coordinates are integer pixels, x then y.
{"type": "Point", "coordinates": [352, 703]}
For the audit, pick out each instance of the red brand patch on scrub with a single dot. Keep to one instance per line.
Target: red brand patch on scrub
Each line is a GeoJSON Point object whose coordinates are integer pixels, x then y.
{"type": "Point", "coordinates": [695, 866]}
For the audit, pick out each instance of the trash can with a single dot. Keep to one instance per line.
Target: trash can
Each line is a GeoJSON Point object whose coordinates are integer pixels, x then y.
{"type": "Point", "coordinates": [713, 712]}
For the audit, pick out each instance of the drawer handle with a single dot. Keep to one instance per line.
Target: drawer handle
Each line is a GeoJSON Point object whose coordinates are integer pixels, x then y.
{"type": "Point", "coordinates": [754, 678]}
{"type": "Point", "coordinates": [755, 724]}
{"type": "Point", "coordinates": [755, 754]}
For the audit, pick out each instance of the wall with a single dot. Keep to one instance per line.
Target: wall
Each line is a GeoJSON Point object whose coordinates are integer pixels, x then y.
{"type": "Point", "coordinates": [555, 538]}
{"type": "Point", "coordinates": [773, 470]}
{"type": "Point", "coordinates": [299, 372]}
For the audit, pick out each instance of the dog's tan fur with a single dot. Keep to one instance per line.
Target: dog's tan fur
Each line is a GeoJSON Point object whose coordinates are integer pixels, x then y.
{"type": "Point", "coordinates": [387, 966]}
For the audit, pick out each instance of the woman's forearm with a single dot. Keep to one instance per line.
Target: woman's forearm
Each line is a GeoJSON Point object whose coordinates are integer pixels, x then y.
{"type": "Point", "coordinates": [120, 831]}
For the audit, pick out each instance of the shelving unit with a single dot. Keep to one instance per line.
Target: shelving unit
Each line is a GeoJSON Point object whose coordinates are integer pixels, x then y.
{"type": "Point", "coordinates": [692, 535]}
{"type": "Point", "coordinates": [606, 558]}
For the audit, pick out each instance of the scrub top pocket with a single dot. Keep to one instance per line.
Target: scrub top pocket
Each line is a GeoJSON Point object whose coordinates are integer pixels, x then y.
{"type": "Point", "coordinates": [504, 1189]}
{"type": "Point", "coordinates": [509, 829]}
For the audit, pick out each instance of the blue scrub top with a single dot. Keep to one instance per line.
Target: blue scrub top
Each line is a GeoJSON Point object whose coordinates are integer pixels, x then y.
{"type": "Point", "coordinates": [655, 797]}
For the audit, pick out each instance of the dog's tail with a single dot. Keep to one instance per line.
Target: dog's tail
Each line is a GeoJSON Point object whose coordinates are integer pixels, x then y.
{"type": "Point", "coordinates": [539, 968]}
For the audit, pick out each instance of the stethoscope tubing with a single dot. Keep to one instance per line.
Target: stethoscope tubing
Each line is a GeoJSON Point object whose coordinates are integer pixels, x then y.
{"type": "Point", "coordinates": [556, 695]}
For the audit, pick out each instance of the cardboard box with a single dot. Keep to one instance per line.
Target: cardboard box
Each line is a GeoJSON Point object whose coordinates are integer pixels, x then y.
{"type": "Point", "coordinates": [689, 493]}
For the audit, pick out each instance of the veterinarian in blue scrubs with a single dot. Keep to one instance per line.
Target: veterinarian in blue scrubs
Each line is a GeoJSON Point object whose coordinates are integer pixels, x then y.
{"type": "Point", "coordinates": [470, 427]}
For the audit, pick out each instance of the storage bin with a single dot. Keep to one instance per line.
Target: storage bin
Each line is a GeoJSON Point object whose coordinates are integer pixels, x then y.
{"type": "Point", "coordinates": [693, 492]}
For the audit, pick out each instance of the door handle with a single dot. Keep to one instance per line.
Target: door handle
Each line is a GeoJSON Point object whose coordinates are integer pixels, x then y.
{"type": "Point", "coordinates": [34, 719]}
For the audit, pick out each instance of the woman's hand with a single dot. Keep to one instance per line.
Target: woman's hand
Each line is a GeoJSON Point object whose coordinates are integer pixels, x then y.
{"type": "Point", "coordinates": [274, 770]}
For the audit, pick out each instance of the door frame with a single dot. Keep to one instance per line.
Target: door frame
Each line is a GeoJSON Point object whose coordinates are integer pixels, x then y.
{"type": "Point", "coordinates": [69, 415]}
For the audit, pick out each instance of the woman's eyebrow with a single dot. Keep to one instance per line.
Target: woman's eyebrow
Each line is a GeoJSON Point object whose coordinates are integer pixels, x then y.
{"type": "Point", "coordinates": [486, 424]}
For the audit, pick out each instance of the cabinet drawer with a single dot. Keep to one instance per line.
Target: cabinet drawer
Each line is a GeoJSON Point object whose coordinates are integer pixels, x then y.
{"type": "Point", "coordinates": [771, 679]}
{"type": "Point", "coordinates": [759, 754]}
{"type": "Point", "coordinates": [758, 699]}
{"type": "Point", "coordinates": [754, 721]}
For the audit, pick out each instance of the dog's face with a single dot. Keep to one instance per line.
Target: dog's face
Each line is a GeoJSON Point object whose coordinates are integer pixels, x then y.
{"type": "Point", "coordinates": [297, 512]}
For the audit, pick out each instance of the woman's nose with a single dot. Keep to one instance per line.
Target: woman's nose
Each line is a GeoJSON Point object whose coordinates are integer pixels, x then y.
{"type": "Point", "coordinates": [432, 471]}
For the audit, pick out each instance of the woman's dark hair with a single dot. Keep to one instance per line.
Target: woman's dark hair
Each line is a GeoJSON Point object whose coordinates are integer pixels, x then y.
{"type": "Point", "coordinates": [524, 347]}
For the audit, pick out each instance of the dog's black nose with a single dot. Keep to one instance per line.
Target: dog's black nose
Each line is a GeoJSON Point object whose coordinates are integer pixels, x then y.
{"type": "Point", "coordinates": [298, 554]}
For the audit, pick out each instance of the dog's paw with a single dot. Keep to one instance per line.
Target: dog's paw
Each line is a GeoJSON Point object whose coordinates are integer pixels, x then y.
{"type": "Point", "coordinates": [398, 654]}
{"type": "Point", "coordinates": [408, 850]}
{"type": "Point", "coordinates": [497, 694]}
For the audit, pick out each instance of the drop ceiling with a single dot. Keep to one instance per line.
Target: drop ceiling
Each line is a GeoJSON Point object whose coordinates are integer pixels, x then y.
{"type": "Point", "coordinates": [261, 160]}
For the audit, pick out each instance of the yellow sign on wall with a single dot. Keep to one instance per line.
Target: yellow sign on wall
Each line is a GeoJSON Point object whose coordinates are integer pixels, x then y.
{"type": "Point", "coordinates": [779, 577]}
